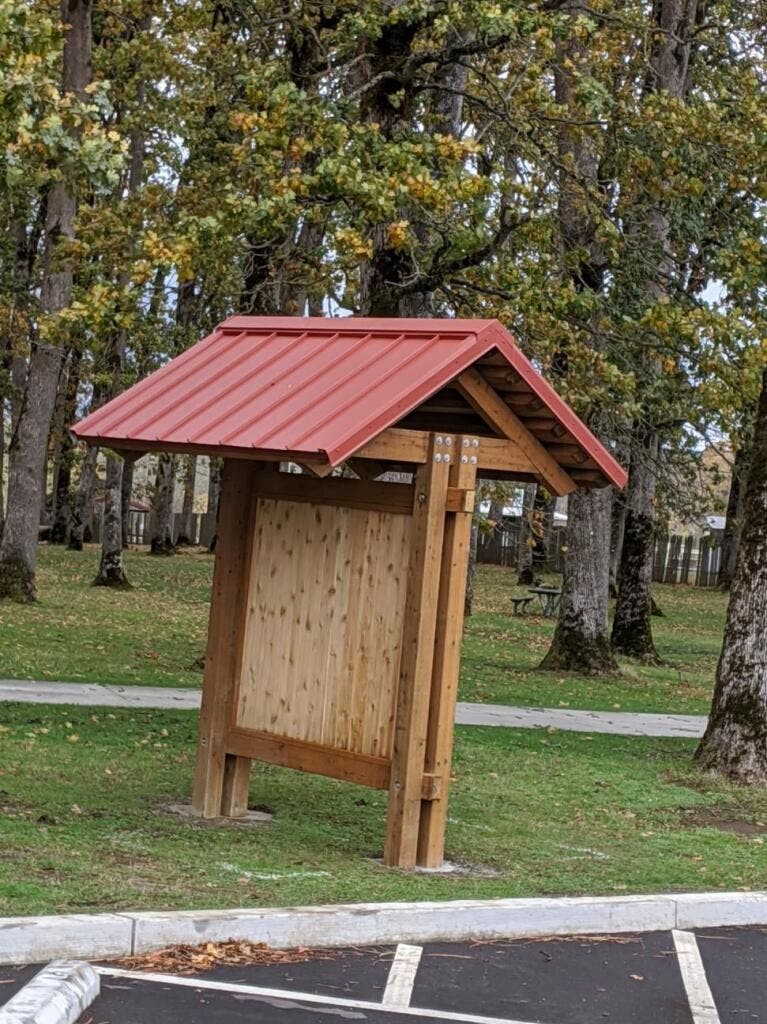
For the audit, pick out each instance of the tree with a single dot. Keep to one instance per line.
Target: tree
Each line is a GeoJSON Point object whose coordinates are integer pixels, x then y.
{"type": "Point", "coordinates": [526, 536]}
{"type": "Point", "coordinates": [18, 549]}
{"type": "Point", "coordinates": [734, 515]}
{"type": "Point", "coordinates": [186, 527]}
{"type": "Point", "coordinates": [675, 24]}
{"type": "Point", "coordinates": [580, 640]}
{"type": "Point", "coordinates": [735, 741]}
{"type": "Point", "coordinates": [161, 542]}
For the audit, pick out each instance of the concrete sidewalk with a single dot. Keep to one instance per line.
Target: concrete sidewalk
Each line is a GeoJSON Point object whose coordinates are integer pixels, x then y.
{"type": "Point", "coordinates": [619, 723]}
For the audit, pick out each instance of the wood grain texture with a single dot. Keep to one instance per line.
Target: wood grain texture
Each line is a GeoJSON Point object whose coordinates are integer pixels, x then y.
{"type": "Point", "coordinates": [500, 417]}
{"type": "Point", "coordinates": [225, 631]}
{"type": "Point", "coordinates": [311, 757]}
{"type": "Point", "coordinates": [414, 690]}
{"type": "Point", "coordinates": [323, 632]}
{"type": "Point", "coordinates": [447, 660]}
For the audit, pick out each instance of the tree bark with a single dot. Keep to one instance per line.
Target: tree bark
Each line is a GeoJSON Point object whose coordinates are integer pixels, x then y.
{"type": "Point", "coordinates": [632, 630]}
{"type": "Point", "coordinates": [580, 641]}
{"type": "Point", "coordinates": [471, 572]}
{"type": "Point", "coordinates": [62, 493]}
{"type": "Point", "coordinates": [735, 742]}
{"type": "Point", "coordinates": [111, 572]}
{"type": "Point", "coordinates": [162, 507]}
{"type": "Point", "coordinates": [126, 492]}
{"type": "Point", "coordinates": [2, 464]}
{"type": "Point", "coordinates": [18, 550]}
{"type": "Point", "coordinates": [186, 529]}
{"type": "Point", "coordinates": [733, 519]}
{"type": "Point", "coordinates": [82, 507]}
{"type": "Point", "coordinates": [617, 533]}
{"type": "Point", "coordinates": [525, 575]}
{"type": "Point", "coordinates": [673, 23]}
{"type": "Point", "coordinates": [112, 569]}
{"type": "Point", "coordinates": [495, 536]}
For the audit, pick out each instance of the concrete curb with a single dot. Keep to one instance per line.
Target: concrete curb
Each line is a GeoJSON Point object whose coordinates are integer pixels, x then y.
{"type": "Point", "coordinates": [101, 936]}
{"type": "Point", "coordinates": [58, 994]}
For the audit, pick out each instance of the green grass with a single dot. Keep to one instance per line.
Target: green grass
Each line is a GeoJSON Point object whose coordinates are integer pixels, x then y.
{"type": "Point", "coordinates": [78, 633]}
{"type": "Point", "coordinates": [501, 654]}
{"type": "Point", "coordinates": [154, 633]}
{"type": "Point", "coordinates": [82, 825]}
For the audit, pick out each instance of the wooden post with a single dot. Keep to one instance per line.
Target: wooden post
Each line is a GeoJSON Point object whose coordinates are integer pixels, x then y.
{"type": "Point", "coordinates": [447, 656]}
{"type": "Point", "coordinates": [223, 655]}
{"type": "Point", "coordinates": [409, 748]}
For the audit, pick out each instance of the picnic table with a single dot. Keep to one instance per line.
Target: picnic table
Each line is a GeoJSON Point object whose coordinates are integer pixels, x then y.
{"type": "Point", "coordinates": [549, 598]}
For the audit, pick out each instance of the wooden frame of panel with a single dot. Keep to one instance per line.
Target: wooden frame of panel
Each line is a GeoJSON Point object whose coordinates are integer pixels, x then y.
{"type": "Point", "coordinates": [440, 504]}
{"type": "Point", "coordinates": [412, 759]}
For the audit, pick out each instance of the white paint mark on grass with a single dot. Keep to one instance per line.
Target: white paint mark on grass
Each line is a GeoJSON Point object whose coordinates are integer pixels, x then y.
{"type": "Point", "coordinates": [303, 997]}
{"type": "Point", "coordinates": [399, 985]}
{"type": "Point", "coordinates": [272, 876]}
{"type": "Point", "coordinates": [584, 852]}
{"type": "Point", "coordinates": [702, 1005]}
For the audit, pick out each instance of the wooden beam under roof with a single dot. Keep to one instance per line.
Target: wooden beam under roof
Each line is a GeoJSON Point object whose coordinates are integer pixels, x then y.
{"type": "Point", "coordinates": [502, 420]}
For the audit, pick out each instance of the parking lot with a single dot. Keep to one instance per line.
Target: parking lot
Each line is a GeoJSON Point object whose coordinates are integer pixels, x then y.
{"type": "Point", "coordinates": [657, 978]}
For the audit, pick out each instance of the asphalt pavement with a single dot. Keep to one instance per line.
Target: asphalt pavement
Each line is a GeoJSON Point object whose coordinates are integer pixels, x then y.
{"type": "Point", "coordinates": [712, 976]}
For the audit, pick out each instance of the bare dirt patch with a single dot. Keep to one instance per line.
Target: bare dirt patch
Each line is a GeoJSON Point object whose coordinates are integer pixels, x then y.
{"type": "Point", "coordinates": [251, 819]}
{"type": "Point", "coordinates": [723, 819]}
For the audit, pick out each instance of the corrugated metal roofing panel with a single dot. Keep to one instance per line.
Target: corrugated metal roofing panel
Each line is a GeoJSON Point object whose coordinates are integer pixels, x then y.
{"type": "Point", "coordinates": [310, 386]}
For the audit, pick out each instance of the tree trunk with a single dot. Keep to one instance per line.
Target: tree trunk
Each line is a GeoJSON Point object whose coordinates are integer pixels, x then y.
{"type": "Point", "coordinates": [735, 742]}
{"type": "Point", "coordinates": [617, 533]}
{"type": "Point", "coordinates": [162, 507]}
{"type": "Point", "coordinates": [494, 538]}
{"type": "Point", "coordinates": [209, 526]}
{"type": "Point", "coordinates": [186, 529]}
{"type": "Point", "coordinates": [2, 465]}
{"type": "Point", "coordinates": [62, 493]}
{"type": "Point", "coordinates": [18, 550]}
{"type": "Point", "coordinates": [471, 572]}
{"type": "Point", "coordinates": [111, 572]}
{"type": "Point", "coordinates": [126, 492]}
{"type": "Point", "coordinates": [632, 630]}
{"type": "Point", "coordinates": [580, 641]}
{"type": "Point", "coordinates": [525, 574]}
{"type": "Point", "coordinates": [673, 23]}
{"type": "Point", "coordinates": [544, 507]}
{"type": "Point", "coordinates": [732, 521]}
{"type": "Point", "coordinates": [82, 507]}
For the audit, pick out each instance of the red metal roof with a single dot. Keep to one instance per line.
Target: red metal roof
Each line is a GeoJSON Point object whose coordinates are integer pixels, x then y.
{"type": "Point", "coordinates": [312, 386]}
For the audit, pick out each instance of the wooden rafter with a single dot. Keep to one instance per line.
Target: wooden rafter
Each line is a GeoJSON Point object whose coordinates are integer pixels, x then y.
{"type": "Point", "coordinates": [501, 419]}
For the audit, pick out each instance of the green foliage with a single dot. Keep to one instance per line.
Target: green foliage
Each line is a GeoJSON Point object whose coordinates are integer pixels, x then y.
{"type": "Point", "coordinates": [293, 153]}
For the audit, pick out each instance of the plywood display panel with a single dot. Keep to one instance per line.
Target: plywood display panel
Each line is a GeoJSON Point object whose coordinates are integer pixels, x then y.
{"type": "Point", "coordinates": [323, 630]}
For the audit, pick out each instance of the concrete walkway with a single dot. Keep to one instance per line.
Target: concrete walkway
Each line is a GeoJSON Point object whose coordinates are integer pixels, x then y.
{"type": "Point", "coordinates": [620, 723]}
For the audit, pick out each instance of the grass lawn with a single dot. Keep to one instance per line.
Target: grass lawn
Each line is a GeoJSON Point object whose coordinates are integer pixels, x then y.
{"type": "Point", "coordinates": [501, 654]}
{"type": "Point", "coordinates": [151, 634]}
{"type": "Point", "coordinates": [154, 633]}
{"type": "Point", "coordinates": [82, 825]}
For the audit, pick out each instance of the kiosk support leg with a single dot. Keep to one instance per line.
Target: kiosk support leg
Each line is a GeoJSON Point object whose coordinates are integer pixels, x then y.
{"type": "Point", "coordinates": [211, 797]}
{"type": "Point", "coordinates": [409, 748]}
{"type": "Point", "coordinates": [447, 655]}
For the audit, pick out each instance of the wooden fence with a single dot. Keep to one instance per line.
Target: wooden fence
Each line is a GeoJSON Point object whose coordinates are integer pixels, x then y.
{"type": "Point", "coordinates": [691, 560]}
{"type": "Point", "coordinates": [140, 528]}
{"type": "Point", "coordinates": [501, 547]}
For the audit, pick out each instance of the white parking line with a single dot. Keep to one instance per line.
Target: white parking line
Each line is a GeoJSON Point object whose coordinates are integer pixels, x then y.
{"type": "Point", "coordinates": [702, 1005]}
{"type": "Point", "coordinates": [303, 997]}
{"type": "Point", "coordinates": [399, 985]}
